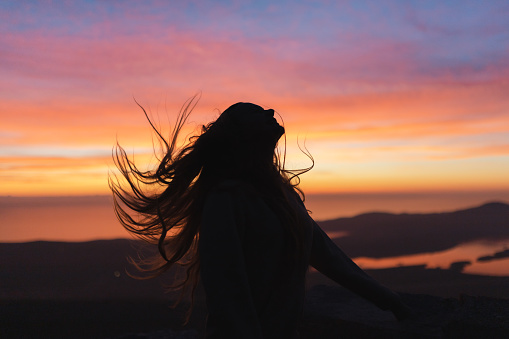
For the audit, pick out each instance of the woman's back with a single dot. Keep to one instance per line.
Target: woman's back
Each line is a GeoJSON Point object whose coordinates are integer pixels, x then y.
{"type": "Point", "coordinates": [253, 286]}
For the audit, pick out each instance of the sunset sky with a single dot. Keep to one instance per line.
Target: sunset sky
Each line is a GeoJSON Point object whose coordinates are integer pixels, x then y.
{"type": "Point", "coordinates": [388, 96]}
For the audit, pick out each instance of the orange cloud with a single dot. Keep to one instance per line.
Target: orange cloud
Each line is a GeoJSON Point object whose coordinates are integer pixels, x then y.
{"type": "Point", "coordinates": [379, 100]}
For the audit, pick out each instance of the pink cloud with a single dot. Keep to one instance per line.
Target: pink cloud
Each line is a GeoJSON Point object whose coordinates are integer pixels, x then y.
{"type": "Point", "coordinates": [76, 89]}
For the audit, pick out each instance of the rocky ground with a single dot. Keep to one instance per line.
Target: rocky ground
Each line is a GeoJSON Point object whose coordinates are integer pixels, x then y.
{"type": "Point", "coordinates": [333, 312]}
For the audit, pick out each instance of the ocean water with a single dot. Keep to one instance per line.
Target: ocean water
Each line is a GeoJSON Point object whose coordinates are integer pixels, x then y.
{"type": "Point", "coordinates": [91, 217]}
{"type": "Point", "coordinates": [468, 252]}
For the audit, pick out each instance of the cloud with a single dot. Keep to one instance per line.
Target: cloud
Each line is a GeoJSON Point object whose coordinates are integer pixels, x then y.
{"type": "Point", "coordinates": [385, 78]}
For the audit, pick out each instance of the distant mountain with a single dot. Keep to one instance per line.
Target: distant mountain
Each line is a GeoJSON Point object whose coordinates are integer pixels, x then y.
{"type": "Point", "coordinates": [385, 235]}
{"type": "Point", "coordinates": [97, 269]}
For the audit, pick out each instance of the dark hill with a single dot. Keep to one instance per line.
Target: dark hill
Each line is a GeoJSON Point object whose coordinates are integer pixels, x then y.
{"type": "Point", "coordinates": [385, 235]}
{"type": "Point", "coordinates": [82, 270]}
{"type": "Point", "coordinates": [81, 290]}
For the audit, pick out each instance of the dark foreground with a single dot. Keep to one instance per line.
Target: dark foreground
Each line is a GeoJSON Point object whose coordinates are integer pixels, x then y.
{"type": "Point", "coordinates": [81, 290]}
{"type": "Point", "coordinates": [331, 312]}
{"type": "Point", "coordinates": [49, 293]}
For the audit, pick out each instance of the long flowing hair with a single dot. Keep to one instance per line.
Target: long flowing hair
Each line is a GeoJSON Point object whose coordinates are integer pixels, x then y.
{"type": "Point", "coordinates": [163, 206]}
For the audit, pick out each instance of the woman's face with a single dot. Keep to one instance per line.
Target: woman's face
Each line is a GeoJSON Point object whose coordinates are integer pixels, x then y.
{"type": "Point", "coordinates": [254, 120]}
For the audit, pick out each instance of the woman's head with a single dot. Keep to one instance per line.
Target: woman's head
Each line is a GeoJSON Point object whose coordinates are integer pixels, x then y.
{"type": "Point", "coordinates": [247, 125]}
{"type": "Point", "coordinates": [240, 143]}
{"type": "Point", "coordinates": [254, 122]}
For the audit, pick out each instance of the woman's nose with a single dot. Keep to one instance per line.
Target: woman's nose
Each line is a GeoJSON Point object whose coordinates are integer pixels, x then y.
{"type": "Point", "coordinates": [270, 112]}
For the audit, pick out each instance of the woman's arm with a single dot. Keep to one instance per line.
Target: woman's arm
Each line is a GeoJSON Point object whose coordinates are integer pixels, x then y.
{"type": "Point", "coordinates": [327, 258]}
{"type": "Point", "coordinates": [231, 312]}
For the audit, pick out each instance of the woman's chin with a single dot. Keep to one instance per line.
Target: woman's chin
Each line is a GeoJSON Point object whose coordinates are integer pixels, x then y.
{"type": "Point", "coordinates": [278, 132]}
{"type": "Point", "coordinates": [281, 130]}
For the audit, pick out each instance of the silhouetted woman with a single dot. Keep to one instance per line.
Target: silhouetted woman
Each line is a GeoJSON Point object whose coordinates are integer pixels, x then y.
{"type": "Point", "coordinates": [225, 208]}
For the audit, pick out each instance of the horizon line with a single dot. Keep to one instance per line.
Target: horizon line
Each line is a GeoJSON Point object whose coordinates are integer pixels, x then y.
{"type": "Point", "coordinates": [396, 192]}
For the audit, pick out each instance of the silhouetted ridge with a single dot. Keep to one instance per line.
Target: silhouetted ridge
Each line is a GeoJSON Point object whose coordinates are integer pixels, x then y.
{"type": "Point", "coordinates": [387, 235]}
{"type": "Point", "coordinates": [494, 206]}
{"type": "Point", "coordinates": [496, 256]}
